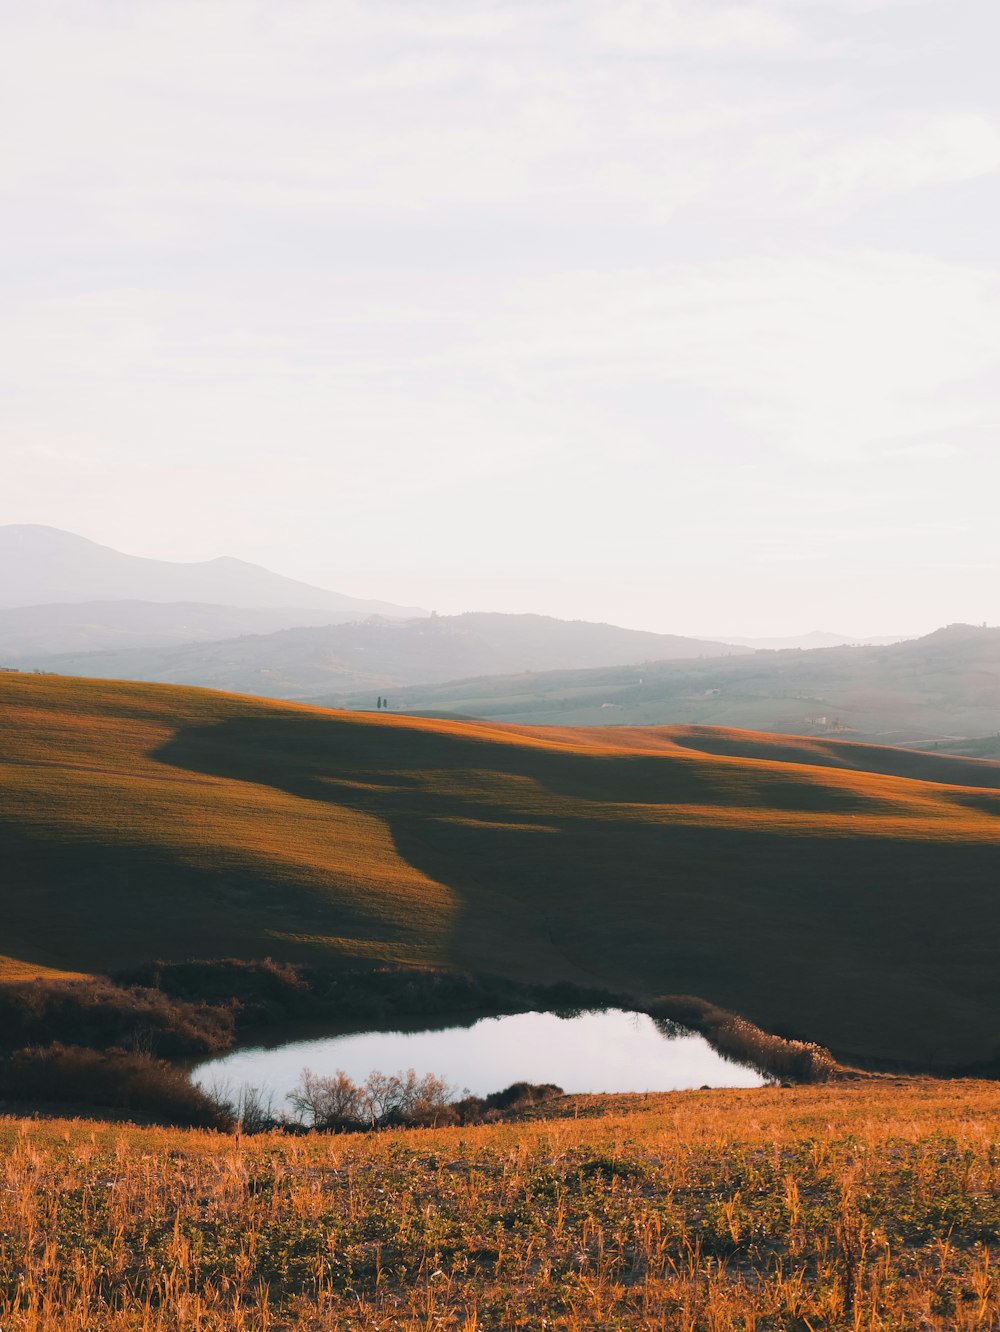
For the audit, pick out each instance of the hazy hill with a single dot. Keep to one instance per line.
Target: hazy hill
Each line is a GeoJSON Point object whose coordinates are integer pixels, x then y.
{"type": "Point", "coordinates": [44, 564]}
{"type": "Point", "coordinates": [943, 689]}
{"type": "Point", "coordinates": [380, 654]}
{"type": "Point", "coordinates": [844, 892]}
{"type": "Point", "coordinates": [30, 632]}
{"type": "Point", "coordinates": [818, 638]}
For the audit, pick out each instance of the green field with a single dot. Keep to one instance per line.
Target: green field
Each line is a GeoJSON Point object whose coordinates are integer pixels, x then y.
{"type": "Point", "coordinates": [843, 893]}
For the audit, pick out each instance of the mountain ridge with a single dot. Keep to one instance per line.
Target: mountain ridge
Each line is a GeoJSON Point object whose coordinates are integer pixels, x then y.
{"type": "Point", "coordinates": [45, 565]}
{"type": "Point", "coordinates": [28, 633]}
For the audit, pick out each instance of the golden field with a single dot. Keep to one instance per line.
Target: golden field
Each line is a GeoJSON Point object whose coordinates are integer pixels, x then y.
{"type": "Point", "coordinates": [872, 1205]}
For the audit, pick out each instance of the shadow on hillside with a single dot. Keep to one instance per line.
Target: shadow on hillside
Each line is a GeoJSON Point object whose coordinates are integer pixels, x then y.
{"type": "Point", "coordinates": [916, 764]}
{"type": "Point", "coordinates": [872, 946]}
{"type": "Point", "coordinates": [92, 903]}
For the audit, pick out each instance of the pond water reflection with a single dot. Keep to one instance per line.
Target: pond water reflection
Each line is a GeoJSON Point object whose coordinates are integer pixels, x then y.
{"type": "Point", "coordinates": [609, 1051]}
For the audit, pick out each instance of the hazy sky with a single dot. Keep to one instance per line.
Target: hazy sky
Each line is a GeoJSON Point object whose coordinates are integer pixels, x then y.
{"type": "Point", "coordinates": [677, 313]}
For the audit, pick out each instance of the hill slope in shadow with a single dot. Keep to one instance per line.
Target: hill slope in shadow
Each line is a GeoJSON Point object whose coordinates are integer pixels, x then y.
{"type": "Point", "coordinates": [845, 893]}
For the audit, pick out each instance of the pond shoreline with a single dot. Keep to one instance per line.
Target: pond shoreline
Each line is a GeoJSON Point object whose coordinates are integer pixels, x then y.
{"type": "Point", "coordinates": [605, 1050]}
{"type": "Point", "coordinates": [123, 1041]}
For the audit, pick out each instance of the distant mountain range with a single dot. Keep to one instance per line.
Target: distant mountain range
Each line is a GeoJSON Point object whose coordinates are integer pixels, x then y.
{"type": "Point", "coordinates": [381, 654]}
{"type": "Point", "coordinates": [44, 565]}
{"type": "Point", "coordinates": [70, 606]}
{"type": "Point", "coordinates": [28, 633]}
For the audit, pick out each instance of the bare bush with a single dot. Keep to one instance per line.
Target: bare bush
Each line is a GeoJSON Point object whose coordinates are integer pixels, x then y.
{"type": "Point", "coordinates": [254, 1109]}
{"type": "Point", "coordinates": [405, 1098]}
{"type": "Point", "coordinates": [335, 1101]}
{"type": "Point", "coordinates": [327, 1102]}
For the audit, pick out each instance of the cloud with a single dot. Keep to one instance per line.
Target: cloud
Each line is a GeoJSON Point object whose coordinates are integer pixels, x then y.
{"type": "Point", "coordinates": [821, 354]}
{"type": "Point", "coordinates": [935, 452]}
{"type": "Point", "coordinates": [919, 151]}
{"type": "Point", "coordinates": [426, 265]}
{"type": "Point", "coordinates": [656, 27]}
{"type": "Point", "coordinates": [158, 125]}
{"type": "Point", "coordinates": [844, 6]}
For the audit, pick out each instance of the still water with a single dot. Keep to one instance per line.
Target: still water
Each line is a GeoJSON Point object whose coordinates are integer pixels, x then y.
{"type": "Point", "coordinates": [609, 1051]}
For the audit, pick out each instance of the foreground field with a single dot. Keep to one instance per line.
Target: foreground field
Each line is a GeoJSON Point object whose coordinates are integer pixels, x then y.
{"type": "Point", "coordinates": [842, 893]}
{"type": "Point", "coordinates": [873, 1206]}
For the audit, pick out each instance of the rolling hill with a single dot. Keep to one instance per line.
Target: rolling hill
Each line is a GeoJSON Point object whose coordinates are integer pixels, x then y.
{"type": "Point", "coordinates": [43, 565]}
{"type": "Point", "coordinates": [842, 892]}
{"type": "Point", "coordinates": [939, 690]}
{"type": "Point", "coordinates": [379, 654]}
{"type": "Point", "coordinates": [818, 638]}
{"type": "Point", "coordinates": [36, 633]}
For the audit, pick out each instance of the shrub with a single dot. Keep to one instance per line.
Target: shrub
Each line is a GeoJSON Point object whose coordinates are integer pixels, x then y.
{"type": "Point", "coordinates": [327, 1102]}
{"type": "Point", "coordinates": [104, 1016]}
{"type": "Point", "coordinates": [510, 1102]}
{"type": "Point", "coordinates": [138, 1083]}
{"type": "Point", "coordinates": [734, 1037]}
{"type": "Point", "coordinates": [266, 992]}
{"type": "Point", "coordinates": [384, 1100]}
{"type": "Point", "coordinates": [336, 1102]}
{"type": "Point", "coordinates": [252, 1108]}
{"type": "Point", "coordinates": [258, 992]}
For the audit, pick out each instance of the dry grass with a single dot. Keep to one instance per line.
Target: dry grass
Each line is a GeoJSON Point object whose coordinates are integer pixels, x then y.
{"type": "Point", "coordinates": [872, 1207]}
{"type": "Point", "coordinates": [13, 969]}
{"type": "Point", "coordinates": [840, 893]}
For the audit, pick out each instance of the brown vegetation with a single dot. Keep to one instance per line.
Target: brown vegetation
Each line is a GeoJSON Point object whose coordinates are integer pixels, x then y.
{"type": "Point", "coordinates": [391, 1100]}
{"type": "Point", "coordinates": [773, 1056]}
{"type": "Point", "coordinates": [264, 993]}
{"type": "Point", "coordinates": [127, 1084]}
{"type": "Point", "coordinates": [203, 1005]}
{"type": "Point", "coordinates": [103, 1016]}
{"type": "Point", "coordinates": [842, 1207]}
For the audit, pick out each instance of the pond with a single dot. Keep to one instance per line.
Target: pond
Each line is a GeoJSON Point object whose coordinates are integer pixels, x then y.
{"type": "Point", "coordinates": [608, 1051]}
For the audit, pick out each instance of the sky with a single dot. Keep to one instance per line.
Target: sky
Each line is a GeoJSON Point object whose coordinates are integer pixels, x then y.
{"type": "Point", "coordinates": [679, 314]}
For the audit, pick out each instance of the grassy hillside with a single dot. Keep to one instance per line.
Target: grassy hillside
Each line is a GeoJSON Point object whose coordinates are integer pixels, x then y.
{"type": "Point", "coordinates": [874, 1206]}
{"type": "Point", "coordinates": [841, 892]}
{"type": "Point", "coordinates": [943, 689]}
